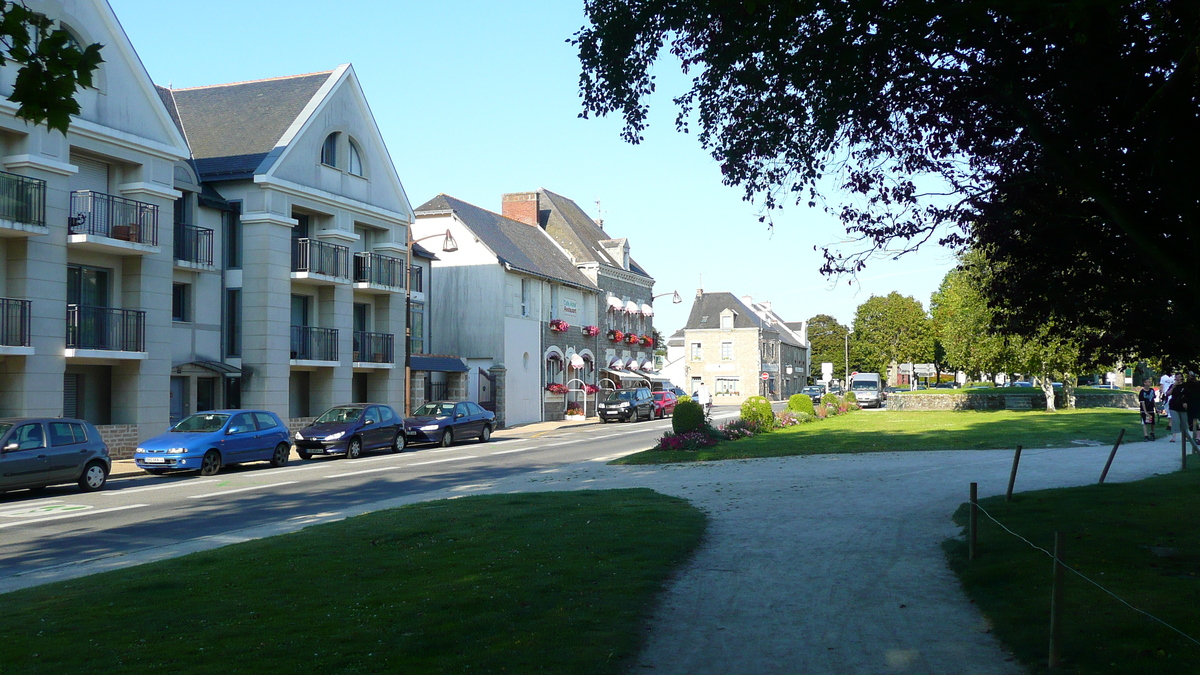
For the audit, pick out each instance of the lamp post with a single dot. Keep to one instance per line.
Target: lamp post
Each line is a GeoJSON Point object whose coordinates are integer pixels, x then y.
{"type": "Point", "coordinates": [448, 246]}
{"type": "Point", "coordinates": [846, 372]}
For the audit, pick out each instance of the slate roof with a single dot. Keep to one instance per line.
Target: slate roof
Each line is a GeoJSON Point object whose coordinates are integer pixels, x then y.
{"type": "Point", "coordinates": [707, 308]}
{"type": "Point", "coordinates": [577, 232]}
{"type": "Point", "coordinates": [231, 127]}
{"type": "Point", "coordinates": [422, 252]}
{"type": "Point", "coordinates": [524, 247]}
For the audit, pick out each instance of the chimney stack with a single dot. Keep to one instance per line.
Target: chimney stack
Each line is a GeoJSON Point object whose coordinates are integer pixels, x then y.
{"type": "Point", "coordinates": [520, 206]}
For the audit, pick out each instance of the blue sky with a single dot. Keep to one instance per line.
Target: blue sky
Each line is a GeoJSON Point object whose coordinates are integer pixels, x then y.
{"type": "Point", "coordinates": [476, 99]}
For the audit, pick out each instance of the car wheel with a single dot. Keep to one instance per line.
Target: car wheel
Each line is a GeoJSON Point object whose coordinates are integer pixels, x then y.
{"type": "Point", "coordinates": [486, 434]}
{"type": "Point", "coordinates": [211, 464]}
{"type": "Point", "coordinates": [94, 476]}
{"type": "Point", "coordinates": [603, 420]}
{"type": "Point", "coordinates": [399, 442]}
{"type": "Point", "coordinates": [282, 451]}
{"type": "Point", "coordinates": [156, 472]}
{"type": "Point", "coordinates": [447, 437]}
{"type": "Point", "coordinates": [303, 455]}
{"type": "Point", "coordinates": [354, 448]}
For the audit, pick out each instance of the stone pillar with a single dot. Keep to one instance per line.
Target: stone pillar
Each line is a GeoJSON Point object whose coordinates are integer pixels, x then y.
{"type": "Point", "coordinates": [497, 371]}
{"type": "Point", "coordinates": [456, 386]}
{"type": "Point", "coordinates": [417, 399]}
{"type": "Point", "coordinates": [267, 311]}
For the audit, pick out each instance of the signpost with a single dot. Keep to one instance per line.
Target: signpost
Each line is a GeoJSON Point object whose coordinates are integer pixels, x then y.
{"type": "Point", "coordinates": [765, 377]}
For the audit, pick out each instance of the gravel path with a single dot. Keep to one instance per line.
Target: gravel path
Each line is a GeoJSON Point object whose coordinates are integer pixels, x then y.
{"type": "Point", "coordinates": [832, 563]}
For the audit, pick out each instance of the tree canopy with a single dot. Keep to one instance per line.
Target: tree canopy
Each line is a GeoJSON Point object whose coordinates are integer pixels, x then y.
{"type": "Point", "coordinates": [828, 340]}
{"type": "Point", "coordinates": [890, 328]}
{"type": "Point", "coordinates": [1057, 138]}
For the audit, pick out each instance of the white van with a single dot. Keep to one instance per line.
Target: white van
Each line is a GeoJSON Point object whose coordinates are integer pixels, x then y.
{"type": "Point", "coordinates": [868, 389]}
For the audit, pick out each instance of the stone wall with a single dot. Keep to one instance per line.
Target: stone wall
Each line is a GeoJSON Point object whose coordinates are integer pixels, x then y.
{"type": "Point", "coordinates": [295, 424]}
{"type": "Point", "coordinates": [121, 439]}
{"type": "Point", "coordinates": [1034, 401]}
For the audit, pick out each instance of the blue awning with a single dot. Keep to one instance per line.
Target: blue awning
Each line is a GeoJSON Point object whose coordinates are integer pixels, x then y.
{"type": "Point", "coordinates": [437, 364]}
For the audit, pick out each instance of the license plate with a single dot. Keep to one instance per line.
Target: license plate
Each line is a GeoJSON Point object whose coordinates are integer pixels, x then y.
{"type": "Point", "coordinates": [155, 460]}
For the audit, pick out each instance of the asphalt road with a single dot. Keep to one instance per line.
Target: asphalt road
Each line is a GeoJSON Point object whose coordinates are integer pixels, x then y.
{"type": "Point", "coordinates": [61, 533]}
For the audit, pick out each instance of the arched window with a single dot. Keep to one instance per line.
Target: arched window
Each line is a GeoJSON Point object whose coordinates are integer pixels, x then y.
{"type": "Point", "coordinates": [355, 166]}
{"type": "Point", "coordinates": [329, 150]}
{"type": "Point", "coordinates": [554, 368]}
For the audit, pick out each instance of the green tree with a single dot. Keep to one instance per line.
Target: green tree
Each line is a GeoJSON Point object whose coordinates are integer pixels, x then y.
{"type": "Point", "coordinates": [963, 325]}
{"type": "Point", "coordinates": [828, 340]}
{"type": "Point", "coordinates": [52, 65]}
{"type": "Point", "coordinates": [891, 328]}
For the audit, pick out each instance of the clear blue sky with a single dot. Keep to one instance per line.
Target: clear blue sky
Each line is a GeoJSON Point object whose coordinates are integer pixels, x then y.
{"type": "Point", "coordinates": [478, 98]}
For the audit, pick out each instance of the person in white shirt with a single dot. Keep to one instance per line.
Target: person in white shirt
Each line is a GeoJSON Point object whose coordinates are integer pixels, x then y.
{"type": "Point", "coordinates": [704, 398]}
{"type": "Point", "coordinates": [1164, 387]}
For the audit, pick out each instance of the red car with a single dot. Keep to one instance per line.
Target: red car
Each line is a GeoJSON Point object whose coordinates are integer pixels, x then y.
{"type": "Point", "coordinates": [664, 404]}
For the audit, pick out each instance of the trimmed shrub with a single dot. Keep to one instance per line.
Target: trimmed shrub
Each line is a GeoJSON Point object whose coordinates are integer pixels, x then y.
{"type": "Point", "coordinates": [800, 403]}
{"type": "Point", "coordinates": [683, 398]}
{"type": "Point", "coordinates": [689, 416]}
{"type": "Point", "coordinates": [830, 400]}
{"type": "Point", "coordinates": [850, 398]}
{"type": "Point", "coordinates": [757, 412]}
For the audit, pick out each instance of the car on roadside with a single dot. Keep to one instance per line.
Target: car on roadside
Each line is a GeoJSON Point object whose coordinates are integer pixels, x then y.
{"type": "Point", "coordinates": [664, 404]}
{"type": "Point", "coordinates": [445, 422]}
{"type": "Point", "coordinates": [38, 452]}
{"type": "Point", "coordinates": [815, 392]}
{"type": "Point", "coordinates": [1020, 383]}
{"type": "Point", "coordinates": [207, 441]}
{"type": "Point", "coordinates": [349, 429]}
{"type": "Point", "coordinates": [626, 405]}
{"type": "Point", "coordinates": [678, 391]}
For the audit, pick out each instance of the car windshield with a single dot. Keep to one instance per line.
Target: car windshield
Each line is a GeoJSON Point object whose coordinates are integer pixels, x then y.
{"type": "Point", "coordinates": [435, 410]}
{"type": "Point", "coordinates": [201, 422]}
{"type": "Point", "coordinates": [339, 415]}
{"type": "Point", "coordinates": [864, 384]}
{"type": "Point", "coordinates": [812, 390]}
{"type": "Point", "coordinates": [619, 396]}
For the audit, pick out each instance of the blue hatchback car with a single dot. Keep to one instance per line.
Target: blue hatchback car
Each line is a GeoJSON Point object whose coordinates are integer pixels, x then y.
{"type": "Point", "coordinates": [207, 441]}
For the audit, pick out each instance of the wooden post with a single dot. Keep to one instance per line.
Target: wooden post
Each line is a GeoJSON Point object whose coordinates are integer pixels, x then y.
{"type": "Point", "coordinates": [1056, 601]}
{"type": "Point", "coordinates": [974, 522]}
{"type": "Point", "coordinates": [1012, 476]}
{"type": "Point", "coordinates": [1111, 455]}
{"type": "Point", "coordinates": [1183, 453]}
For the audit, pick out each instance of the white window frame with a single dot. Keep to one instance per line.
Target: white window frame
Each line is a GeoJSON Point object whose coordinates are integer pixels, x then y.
{"type": "Point", "coordinates": [696, 352]}
{"type": "Point", "coordinates": [729, 386]}
{"type": "Point", "coordinates": [727, 350]}
{"type": "Point", "coordinates": [354, 164]}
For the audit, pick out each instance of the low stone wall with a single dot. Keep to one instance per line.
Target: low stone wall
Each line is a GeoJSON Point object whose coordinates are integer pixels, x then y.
{"type": "Point", "coordinates": [1035, 401]}
{"type": "Point", "coordinates": [121, 439]}
{"type": "Point", "coordinates": [295, 424]}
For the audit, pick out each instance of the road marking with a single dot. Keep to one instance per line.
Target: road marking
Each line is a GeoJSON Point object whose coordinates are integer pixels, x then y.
{"type": "Point", "coordinates": [449, 459]}
{"type": "Point", "coordinates": [44, 509]}
{"type": "Point", "coordinates": [310, 467]}
{"type": "Point", "coordinates": [245, 489]}
{"type": "Point", "coordinates": [89, 512]}
{"type": "Point", "coordinates": [359, 473]}
{"type": "Point", "coordinates": [554, 445]}
{"type": "Point", "coordinates": [505, 452]}
{"type": "Point", "coordinates": [25, 505]}
{"type": "Point", "coordinates": [129, 491]}
{"type": "Point", "coordinates": [371, 459]}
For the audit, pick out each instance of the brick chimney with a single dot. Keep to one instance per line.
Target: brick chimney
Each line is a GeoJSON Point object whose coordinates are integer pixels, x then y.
{"type": "Point", "coordinates": [520, 206]}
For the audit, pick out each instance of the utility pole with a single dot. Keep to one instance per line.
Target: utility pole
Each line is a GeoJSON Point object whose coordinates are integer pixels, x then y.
{"type": "Point", "coordinates": [846, 372]}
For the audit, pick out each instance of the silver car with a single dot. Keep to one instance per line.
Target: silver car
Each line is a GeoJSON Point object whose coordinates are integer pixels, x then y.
{"type": "Point", "coordinates": [36, 452]}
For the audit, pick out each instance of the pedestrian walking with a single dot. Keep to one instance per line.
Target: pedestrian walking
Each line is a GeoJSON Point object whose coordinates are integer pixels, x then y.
{"type": "Point", "coordinates": [1146, 407]}
{"type": "Point", "coordinates": [1189, 389]}
{"type": "Point", "coordinates": [1176, 409]}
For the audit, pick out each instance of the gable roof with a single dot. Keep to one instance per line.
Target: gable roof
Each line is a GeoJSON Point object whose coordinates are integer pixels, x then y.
{"type": "Point", "coordinates": [231, 127]}
{"type": "Point", "coordinates": [577, 232]}
{"type": "Point", "coordinates": [707, 308]}
{"type": "Point", "coordinates": [523, 247]}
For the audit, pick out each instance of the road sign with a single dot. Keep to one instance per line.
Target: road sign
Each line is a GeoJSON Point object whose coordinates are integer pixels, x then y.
{"type": "Point", "coordinates": [766, 376]}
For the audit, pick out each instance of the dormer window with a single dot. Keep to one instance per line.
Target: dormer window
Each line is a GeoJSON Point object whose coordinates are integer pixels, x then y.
{"type": "Point", "coordinates": [355, 166]}
{"type": "Point", "coordinates": [329, 150]}
{"type": "Point", "coordinates": [726, 322]}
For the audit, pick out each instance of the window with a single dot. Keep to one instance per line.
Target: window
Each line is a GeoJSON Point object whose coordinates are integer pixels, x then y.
{"type": "Point", "coordinates": [355, 164]}
{"type": "Point", "coordinates": [416, 326]}
{"type": "Point", "coordinates": [554, 368]}
{"type": "Point", "coordinates": [242, 423]}
{"type": "Point", "coordinates": [264, 420]}
{"type": "Point", "coordinates": [28, 437]}
{"type": "Point", "coordinates": [233, 322]}
{"type": "Point", "coordinates": [329, 150]}
{"type": "Point", "coordinates": [695, 351]}
{"type": "Point", "coordinates": [386, 414]}
{"type": "Point", "coordinates": [415, 280]}
{"type": "Point", "coordinates": [62, 434]}
{"type": "Point", "coordinates": [726, 351]}
{"type": "Point", "coordinates": [728, 386]}
{"type": "Point", "coordinates": [231, 222]}
{"type": "Point", "coordinates": [372, 416]}
{"type": "Point", "coordinates": [727, 322]}
{"type": "Point", "coordinates": [525, 284]}
{"type": "Point", "coordinates": [87, 286]}
{"type": "Point", "coordinates": [181, 305]}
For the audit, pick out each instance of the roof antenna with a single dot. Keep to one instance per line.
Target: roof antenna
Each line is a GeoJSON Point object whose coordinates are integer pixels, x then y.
{"type": "Point", "coordinates": [599, 214]}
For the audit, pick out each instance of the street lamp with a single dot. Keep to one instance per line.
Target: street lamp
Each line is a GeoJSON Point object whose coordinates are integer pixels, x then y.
{"type": "Point", "coordinates": [448, 246]}
{"type": "Point", "coordinates": [675, 299]}
{"type": "Point", "coordinates": [846, 372]}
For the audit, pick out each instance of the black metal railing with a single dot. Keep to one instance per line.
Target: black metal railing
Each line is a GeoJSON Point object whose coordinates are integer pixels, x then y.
{"type": "Point", "coordinates": [14, 322]}
{"type": "Point", "coordinates": [121, 330]}
{"type": "Point", "coordinates": [22, 199]}
{"type": "Point", "coordinates": [437, 391]}
{"type": "Point", "coordinates": [193, 244]}
{"type": "Point", "coordinates": [310, 343]}
{"type": "Point", "coordinates": [374, 347]}
{"type": "Point", "coordinates": [319, 257]}
{"type": "Point", "coordinates": [115, 217]}
{"type": "Point", "coordinates": [379, 269]}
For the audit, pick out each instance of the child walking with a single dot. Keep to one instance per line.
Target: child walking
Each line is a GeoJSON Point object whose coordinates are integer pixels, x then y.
{"type": "Point", "coordinates": [1146, 407]}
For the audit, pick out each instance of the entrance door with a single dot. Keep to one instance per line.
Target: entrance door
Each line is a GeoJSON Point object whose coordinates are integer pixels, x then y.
{"type": "Point", "coordinates": [206, 394]}
{"type": "Point", "coordinates": [178, 399]}
{"type": "Point", "coordinates": [300, 338]}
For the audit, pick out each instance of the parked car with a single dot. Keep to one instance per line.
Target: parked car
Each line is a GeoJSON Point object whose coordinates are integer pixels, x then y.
{"type": "Point", "coordinates": [349, 429]}
{"type": "Point", "coordinates": [207, 441]}
{"type": "Point", "coordinates": [36, 452]}
{"type": "Point", "coordinates": [678, 391]}
{"type": "Point", "coordinates": [447, 421]}
{"type": "Point", "coordinates": [664, 403]}
{"type": "Point", "coordinates": [1105, 386]}
{"type": "Point", "coordinates": [1020, 383]}
{"type": "Point", "coordinates": [626, 404]}
{"type": "Point", "coordinates": [868, 389]}
{"type": "Point", "coordinates": [815, 392]}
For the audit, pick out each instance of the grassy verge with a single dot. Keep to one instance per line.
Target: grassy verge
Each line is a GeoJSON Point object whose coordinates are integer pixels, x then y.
{"type": "Point", "coordinates": [547, 582]}
{"type": "Point", "coordinates": [1135, 539]}
{"type": "Point", "coordinates": [1004, 390]}
{"type": "Point", "coordinates": [918, 430]}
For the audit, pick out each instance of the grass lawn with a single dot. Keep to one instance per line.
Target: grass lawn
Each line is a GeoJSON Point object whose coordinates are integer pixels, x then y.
{"type": "Point", "coordinates": [1138, 540]}
{"type": "Point", "coordinates": [890, 430]}
{"type": "Point", "coordinates": [546, 582]}
{"type": "Point", "coordinates": [1005, 390]}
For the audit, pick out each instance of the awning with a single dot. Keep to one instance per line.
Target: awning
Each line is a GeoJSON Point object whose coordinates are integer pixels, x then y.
{"type": "Point", "coordinates": [615, 303]}
{"type": "Point", "coordinates": [631, 364]}
{"type": "Point", "coordinates": [616, 364]}
{"type": "Point", "coordinates": [577, 361]}
{"type": "Point", "coordinates": [215, 366]}
{"type": "Point", "coordinates": [647, 310]}
{"type": "Point", "coordinates": [647, 366]}
{"type": "Point", "coordinates": [632, 307]}
{"type": "Point", "coordinates": [437, 364]}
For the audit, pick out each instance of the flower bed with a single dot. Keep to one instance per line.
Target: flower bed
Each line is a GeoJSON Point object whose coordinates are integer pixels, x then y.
{"type": "Point", "coordinates": [745, 427]}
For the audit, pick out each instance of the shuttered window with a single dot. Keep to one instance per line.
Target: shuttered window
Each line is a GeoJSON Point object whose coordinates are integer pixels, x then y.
{"type": "Point", "coordinates": [71, 385]}
{"type": "Point", "coordinates": [93, 174]}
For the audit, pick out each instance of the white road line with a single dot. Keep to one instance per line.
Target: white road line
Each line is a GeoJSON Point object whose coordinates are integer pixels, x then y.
{"type": "Point", "coordinates": [505, 452]}
{"type": "Point", "coordinates": [449, 459]}
{"type": "Point", "coordinates": [293, 469]}
{"type": "Point", "coordinates": [364, 460]}
{"type": "Point", "coordinates": [555, 445]}
{"type": "Point", "coordinates": [245, 489]}
{"type": "Point", "coordinates": [359, 473]}
{"type": "Point", "coordinates": [90, 512]}
{"type": "Point", "coordinates": [129, 491]}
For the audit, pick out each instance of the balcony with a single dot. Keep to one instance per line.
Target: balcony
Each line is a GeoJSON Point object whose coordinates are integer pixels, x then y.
{"type": "Point", "coordinates": [112, 224]}
{"type": "Point", "coordinates": [14, 327]}
{"type": "Point", "coordinates": [374, 350]}
{"type": "Point", "coordinates": [105, 332]}
{"type": "Point", "coordinates": [320, 262]}
{"type": "Point", "coordinates": [193, 246]}
{"type": "Point", "coordinates": [22, 206]}
{"type": "Point", "coordinates": [312, 346]}
{"type": "Point", "coordinates": [378, 273]}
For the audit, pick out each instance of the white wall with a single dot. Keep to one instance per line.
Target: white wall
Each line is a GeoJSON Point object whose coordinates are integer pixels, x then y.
{"type": "Point", "coordinates": [523, 383]}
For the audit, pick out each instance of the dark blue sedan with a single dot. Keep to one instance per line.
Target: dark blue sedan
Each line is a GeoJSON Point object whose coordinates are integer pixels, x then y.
{"type": "Point", "coordinates": [349, 429]}
{"type": "Point", "coordinates": [447, 421]}
{"type": "Point", "coordinates": [207, 441]}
